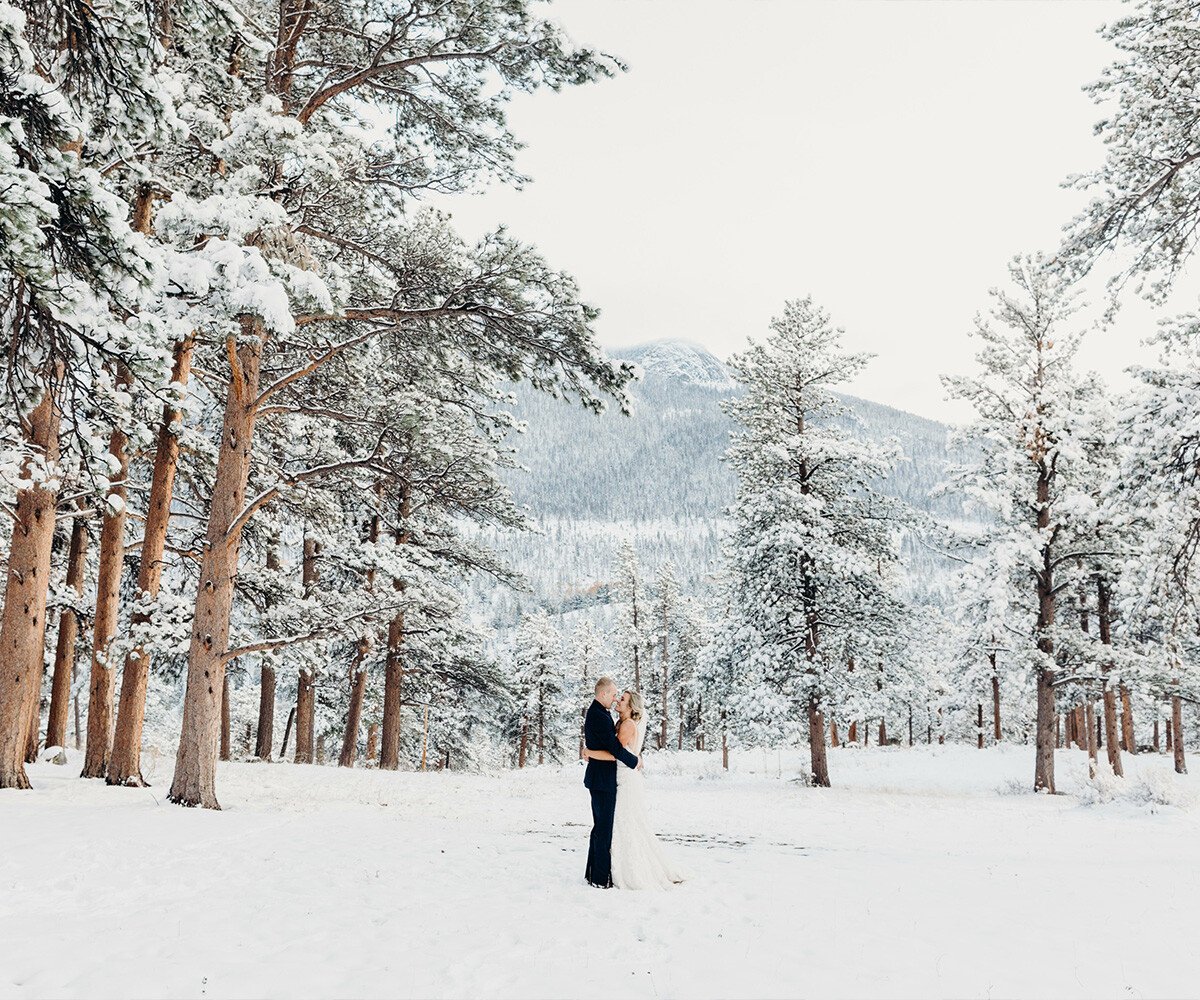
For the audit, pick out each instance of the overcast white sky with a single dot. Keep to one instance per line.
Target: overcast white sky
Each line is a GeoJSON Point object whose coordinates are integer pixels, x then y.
{"type": "Point", "coordinates": [888, 158]}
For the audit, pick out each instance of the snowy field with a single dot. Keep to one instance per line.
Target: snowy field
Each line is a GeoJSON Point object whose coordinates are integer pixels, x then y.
{"type": "Point", "coordinates": [927, 872]}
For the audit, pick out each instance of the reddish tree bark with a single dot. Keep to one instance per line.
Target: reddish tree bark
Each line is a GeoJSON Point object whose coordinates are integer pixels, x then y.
{"type": "Point", "coordinates": [266, 714]}
{"type": "Point", "coordinates": [1128, 738]}
{"type": "Point", "coordinates": [23, 624]}
{"type": "Point", "coordinates": [125, 765]}
{"type": "Point", "coordinates": [306, 705]}
{"type": "Point", "coordinates": [102, 683]}
{"type": "Point", "coordinates": [68, 632]}
{"type": "Point", "coordinates": [816, 745]}
{"type": "Point", "coordinates": [194, 782]}
{"type": "Point", "coordinates": [393, 674]}
{"type": "Point", "coordinates": [1090, 723]}
{"type": "Point", "coordinates": [1112, 742]}
{"type": "Point", "coordinates": [1177, 733]}
{"type": "Point", "coordinates": [354, 716]}
{"type": "Point", "coordinates": [225, 717]}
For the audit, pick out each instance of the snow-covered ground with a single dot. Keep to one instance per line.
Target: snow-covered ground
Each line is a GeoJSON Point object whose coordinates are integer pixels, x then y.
{"type": "Point", "coordinates": [926, 872]}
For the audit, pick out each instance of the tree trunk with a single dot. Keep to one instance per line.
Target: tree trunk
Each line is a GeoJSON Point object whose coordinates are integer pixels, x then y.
{"type": "Point", "coordinates": [833, 733]}
{"type": "Point", "coordinates": [425, 738]}
{"type": "Point", "coordinates": [23, 625]}
{"type": "Point", "coordinates": [1112, 742]}
{"type": "Point", "coordinates": [68, 632]}
{"type": "Point", "coordinates": [882, 732]}
{"type": "Point", "coordinates": [852, 735]}
{"type": "Point", "coordinates": [816, 745]}
{"type": "Point", "coordinates": [910, 724]}
{"type": "Point", "coordinates": [1157, 744]}
{"type": "Point", "coordinates": [266, 714]}
{"type": "Point", "coordinates": [1044, 738]}
{"type": "Point", "coordinates": [724, 743]}
{"type": "Point", "coordinates": [306, 716]}
{"type": "Point", "coordinates": [1043, 778]}
{"type": "Point", "coordinates": [102, 683]}
{"type": "Point", "coordinates": [1170, 736]}
{"type": "Point", "coordinates": [78, 735]}
{"type": "Point", "coordinates": [373, 743]}
{"type": "Point", "coordinates": [287, 733]}
{"type": "Point", "coordinates": [997, 733]}
{"type": "Point", "coordinates": [1128, 739]}
{"type": "Point", "coordinates": [393, 674]}
{"type": "Point", "coordinates": [541, 731]}
{"type": "Point", "coordinates": [194, 783]}
{"type": "Point", "coordinates": [393, 682]}
{"type": "Point", "coordinates": [662, 738]}
{"type": "Point", "coordinates": [319, 754]}
{"type": "Point", "coordinates": [979, 727]}
{"type": "Point", "coordinates": [1090, 723]}
{"type": "Point", "coordinates": [225, 718]}
{"type": "Point", "coordinates": [1081, 727]}
{"type": "Point", "coordinates": [1177, 733]}
{"type": "Point", "coordinates": [125, 765]}
{"type": "Point", "coordinates": [353, 719]}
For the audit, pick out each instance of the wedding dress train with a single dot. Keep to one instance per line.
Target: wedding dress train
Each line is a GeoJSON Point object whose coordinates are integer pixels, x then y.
{"type": "Point", "coordinates": [638, 858]}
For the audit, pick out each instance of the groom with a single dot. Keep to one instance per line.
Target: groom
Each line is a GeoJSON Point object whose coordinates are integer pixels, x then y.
{"type": "Point", "coordinates": [600, 778]}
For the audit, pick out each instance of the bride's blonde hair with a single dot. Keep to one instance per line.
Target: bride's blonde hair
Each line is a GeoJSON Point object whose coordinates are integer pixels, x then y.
{"type": "Point", "coordinates": [637, 706]}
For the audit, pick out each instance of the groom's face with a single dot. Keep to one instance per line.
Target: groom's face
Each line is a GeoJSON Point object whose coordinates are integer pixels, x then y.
{"type": "Point", "coordinates": [608, 697]}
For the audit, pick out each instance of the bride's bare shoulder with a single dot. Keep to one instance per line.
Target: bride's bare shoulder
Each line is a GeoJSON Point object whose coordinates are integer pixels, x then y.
{"type": "Point", "coordinates": [627, 728]}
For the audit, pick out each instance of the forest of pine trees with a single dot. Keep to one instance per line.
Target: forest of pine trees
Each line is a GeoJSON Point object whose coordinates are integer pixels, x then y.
{"type": "Point", "coordinates": [257, 426]}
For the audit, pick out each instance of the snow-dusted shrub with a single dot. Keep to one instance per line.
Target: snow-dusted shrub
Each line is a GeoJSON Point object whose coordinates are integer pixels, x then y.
{"type": "Point", "coordinates": [1151, 788]}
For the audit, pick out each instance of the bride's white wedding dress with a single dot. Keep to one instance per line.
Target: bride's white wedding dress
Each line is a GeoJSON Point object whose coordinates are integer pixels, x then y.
{"type": "Point", "coordinates": [638, 859]}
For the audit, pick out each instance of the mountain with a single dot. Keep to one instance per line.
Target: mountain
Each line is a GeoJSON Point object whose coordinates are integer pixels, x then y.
{"type": "Point", "coordinates": [681, 361]}
{"type": "Point", "coordinates": [657, 476]}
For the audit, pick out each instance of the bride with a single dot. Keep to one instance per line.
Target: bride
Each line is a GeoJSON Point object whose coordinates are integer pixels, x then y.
{"type": "Point", "coordinates": [638, 860]}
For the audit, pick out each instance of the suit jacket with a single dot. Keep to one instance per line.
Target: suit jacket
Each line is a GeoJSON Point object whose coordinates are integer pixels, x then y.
{"type": "Point", "coordinates": [600, 733]}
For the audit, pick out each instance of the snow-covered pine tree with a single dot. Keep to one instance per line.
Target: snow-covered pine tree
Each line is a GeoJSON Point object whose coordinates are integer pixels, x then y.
{"type": "Point", "coordinates": [628, 590]}
{"type": "Point", "coordinates": [813, 540]}
{"type": "Point", "coordinates": [665, 641]}
{"type": "Point", "coordinates": [306, 213]}
{"type": "Point", "coordinates": [542, 707]}
{"type": "Point", "coordinates": [1146, 196]}
{"type": "Point", "coordinates": [1158, 490]}
{"type": "Point", "coordinates": [1025, 467]}
{"type": "Point", "coordinates": [588, 658]}
{"type": "Point", "coordinates": [73, 279]}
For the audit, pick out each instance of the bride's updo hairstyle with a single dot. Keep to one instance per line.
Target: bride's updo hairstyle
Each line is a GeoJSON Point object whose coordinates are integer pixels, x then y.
{"type": "Point", "coordinates": [637, 707]}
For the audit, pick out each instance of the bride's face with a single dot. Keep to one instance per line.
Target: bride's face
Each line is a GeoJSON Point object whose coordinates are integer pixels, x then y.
{"type": "Point", "coordinates": [623, 706]}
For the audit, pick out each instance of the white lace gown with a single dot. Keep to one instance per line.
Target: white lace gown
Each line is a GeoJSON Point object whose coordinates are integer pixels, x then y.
{"type": "Point", "coordinates": [638, 858]}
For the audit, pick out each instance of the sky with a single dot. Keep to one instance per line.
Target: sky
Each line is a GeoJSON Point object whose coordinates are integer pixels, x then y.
{"type": "Point", "coordinates": [887, 158]}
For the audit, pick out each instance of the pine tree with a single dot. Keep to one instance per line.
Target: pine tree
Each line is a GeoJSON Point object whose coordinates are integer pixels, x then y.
{"type": "Point", "coordinates": [813, 542]}
{"type": "Point", "coordinates": [1146, 195]}
{"type": "Point", "coordinates": [540, 690]}
{"type": "Point", "coordinates": [629, 590]}
{"type": "Point", "coordinates": [72, 279]}
{"type": "Point", "coordinates": [1028, 400]}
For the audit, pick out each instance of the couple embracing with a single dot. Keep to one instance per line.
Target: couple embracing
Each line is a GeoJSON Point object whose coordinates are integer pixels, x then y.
{"type": "Point", "coordinates": [624, 852]}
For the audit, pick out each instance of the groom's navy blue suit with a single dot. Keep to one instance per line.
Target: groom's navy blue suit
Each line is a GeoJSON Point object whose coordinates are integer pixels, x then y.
{"type": "Point", "coordinates": [599, 733]}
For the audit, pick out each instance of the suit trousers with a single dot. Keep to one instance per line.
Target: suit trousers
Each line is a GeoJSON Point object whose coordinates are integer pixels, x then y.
{"type": "Point", "coordinates": [599, 862]}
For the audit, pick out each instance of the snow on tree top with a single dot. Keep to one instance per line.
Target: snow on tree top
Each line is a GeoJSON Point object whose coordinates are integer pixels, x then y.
{"type": "Point", "coordinates": [680, 360]}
